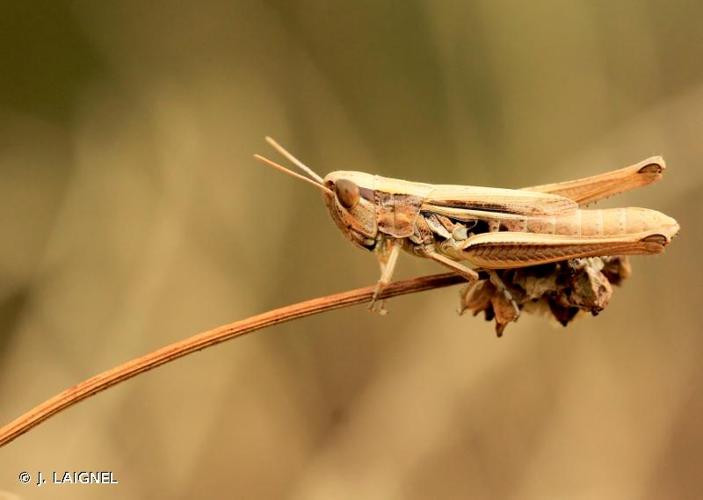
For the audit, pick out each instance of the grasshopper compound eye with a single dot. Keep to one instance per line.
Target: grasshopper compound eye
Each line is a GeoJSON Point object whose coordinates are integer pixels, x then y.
{"type": "Point", "coordinates": [347, 193]}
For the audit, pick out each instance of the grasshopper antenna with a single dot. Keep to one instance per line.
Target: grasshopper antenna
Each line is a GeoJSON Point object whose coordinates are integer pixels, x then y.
{"type": "Point", "coordinates": [294, 160]}
{"type": "Point", "coordinates": [283, 169]}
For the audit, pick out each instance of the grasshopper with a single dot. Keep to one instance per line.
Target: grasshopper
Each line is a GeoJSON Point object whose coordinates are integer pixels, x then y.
{"type": "Point", "coordinates": [489, 228]}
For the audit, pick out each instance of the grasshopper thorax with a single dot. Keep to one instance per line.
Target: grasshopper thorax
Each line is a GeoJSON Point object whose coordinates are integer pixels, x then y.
{"type": "Point", "coordinates": [350, 202]}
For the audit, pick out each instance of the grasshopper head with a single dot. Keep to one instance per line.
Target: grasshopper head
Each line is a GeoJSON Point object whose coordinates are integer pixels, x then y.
{"type": "Point", "coordinates": [349, 197]}
{"type": "Point", "coordinates": [351, 206]}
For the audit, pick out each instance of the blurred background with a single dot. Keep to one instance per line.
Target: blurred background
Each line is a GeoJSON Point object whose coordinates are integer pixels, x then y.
{"type": "Point", "coordinates": [132, 215]}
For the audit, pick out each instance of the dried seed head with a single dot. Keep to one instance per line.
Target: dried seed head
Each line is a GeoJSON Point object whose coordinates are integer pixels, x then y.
{"type": "Point", "coordinates": [562, 290]}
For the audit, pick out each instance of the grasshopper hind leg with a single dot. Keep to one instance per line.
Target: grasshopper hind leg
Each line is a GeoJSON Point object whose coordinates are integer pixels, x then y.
{"type": "Point", "coordinates": [503, 289]}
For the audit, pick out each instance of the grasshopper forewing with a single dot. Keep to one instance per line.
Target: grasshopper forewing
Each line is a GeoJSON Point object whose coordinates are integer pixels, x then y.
{"type": "Point", "coordinates": [490, 228]}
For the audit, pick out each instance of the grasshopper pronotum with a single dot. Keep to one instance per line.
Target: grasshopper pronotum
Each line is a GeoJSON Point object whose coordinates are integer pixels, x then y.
{"type": "Point", "coordinates": [490, 228]}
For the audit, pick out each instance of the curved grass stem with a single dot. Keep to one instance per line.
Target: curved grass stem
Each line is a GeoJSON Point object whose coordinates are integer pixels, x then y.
{"type": "Point", "coordinates": [203, 340]}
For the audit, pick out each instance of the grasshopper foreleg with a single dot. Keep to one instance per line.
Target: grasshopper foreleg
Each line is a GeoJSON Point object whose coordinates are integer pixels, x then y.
{"type": "Point", "coordinates": [387, 252]}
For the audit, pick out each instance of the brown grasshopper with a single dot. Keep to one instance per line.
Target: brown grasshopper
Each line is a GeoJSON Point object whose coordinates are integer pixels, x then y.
{"type": "Point", "coordinates": [490, 228]}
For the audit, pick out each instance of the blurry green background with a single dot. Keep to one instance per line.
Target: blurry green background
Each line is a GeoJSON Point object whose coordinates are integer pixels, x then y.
{"type": "Point", "coordinates": [132, 215]}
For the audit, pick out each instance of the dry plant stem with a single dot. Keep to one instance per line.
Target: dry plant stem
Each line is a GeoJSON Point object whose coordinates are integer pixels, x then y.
{"type": "Point", "coordinates": [209, 338]}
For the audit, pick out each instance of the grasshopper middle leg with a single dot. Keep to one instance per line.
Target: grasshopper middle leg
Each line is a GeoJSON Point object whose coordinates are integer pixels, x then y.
{"type": "Point", "coordinates": [461, 269]}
